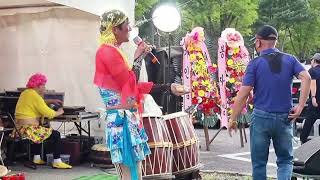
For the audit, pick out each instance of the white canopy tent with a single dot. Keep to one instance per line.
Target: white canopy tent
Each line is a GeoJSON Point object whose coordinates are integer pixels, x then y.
{"type": "Point", "coordinates": [96, 7]}
{"type": "Point", "coordinates": [58, 38]}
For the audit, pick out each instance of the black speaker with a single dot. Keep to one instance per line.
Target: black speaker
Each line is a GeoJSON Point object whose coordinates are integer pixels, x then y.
{"type": "Point", "coordinates": [307, 158]}
{"type": "Point", "coordinates": [169, 71]}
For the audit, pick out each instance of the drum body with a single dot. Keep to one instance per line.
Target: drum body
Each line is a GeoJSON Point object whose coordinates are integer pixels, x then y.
{"type": "Point", "coordinates": [100, 156]}
{"type": "Point", "coordinates": [185, 143]}
{"type": "Point", "coordinates": [159, 162]}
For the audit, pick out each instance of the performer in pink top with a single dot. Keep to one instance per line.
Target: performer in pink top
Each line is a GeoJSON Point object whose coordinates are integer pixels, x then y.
{"type": "Point", "coordinates": [123, 95]}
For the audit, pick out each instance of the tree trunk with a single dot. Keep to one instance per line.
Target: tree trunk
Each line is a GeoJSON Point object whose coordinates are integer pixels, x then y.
{"type": "Point", "coordinates": [284, 39]}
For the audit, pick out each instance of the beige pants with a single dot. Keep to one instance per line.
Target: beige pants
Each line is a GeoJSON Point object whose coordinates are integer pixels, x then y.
{"type": "Point", "coordinates": [124, 172]}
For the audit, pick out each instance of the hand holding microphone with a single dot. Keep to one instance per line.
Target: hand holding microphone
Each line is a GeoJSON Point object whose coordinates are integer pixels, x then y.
{"type": "Point", "coordinates": [144, 48]}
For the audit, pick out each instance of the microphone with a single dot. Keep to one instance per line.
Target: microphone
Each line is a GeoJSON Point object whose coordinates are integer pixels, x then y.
{"type": "Point", "coordinates": [137, 40]}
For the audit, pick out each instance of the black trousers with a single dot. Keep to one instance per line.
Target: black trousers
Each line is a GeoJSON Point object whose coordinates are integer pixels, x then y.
{"type": "Point", "coordinates": [55, 139]}
{"type": "Point", "coordinates": [313, 114]}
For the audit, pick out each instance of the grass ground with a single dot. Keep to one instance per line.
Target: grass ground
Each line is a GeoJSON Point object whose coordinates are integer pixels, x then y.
{"type": "Point", "coordinates": [226, 176]}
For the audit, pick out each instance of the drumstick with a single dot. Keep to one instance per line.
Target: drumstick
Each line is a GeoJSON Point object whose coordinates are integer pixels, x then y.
{"type": "Point", "coordinates": [195, 107]}
{"type": "Point", "coordinates": [154, 58]}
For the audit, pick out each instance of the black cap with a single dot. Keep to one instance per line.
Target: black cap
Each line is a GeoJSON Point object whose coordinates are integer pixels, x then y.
{"type": "Point", "coordinates": [316, 56]}
{"type": "Point", "coordinates": [267, 32]}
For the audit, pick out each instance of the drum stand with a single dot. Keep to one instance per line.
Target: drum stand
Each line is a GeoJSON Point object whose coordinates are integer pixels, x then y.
{"type": "Point", "coordinates": [243, 135]}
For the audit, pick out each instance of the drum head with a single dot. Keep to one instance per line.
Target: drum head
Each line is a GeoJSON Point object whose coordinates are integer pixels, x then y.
{"type": "Point", "coordinates": [3, 171]}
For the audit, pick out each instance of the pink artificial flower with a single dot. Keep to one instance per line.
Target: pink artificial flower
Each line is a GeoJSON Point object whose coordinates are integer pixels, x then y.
{"type": "Point", "coordinates": [237, 36]}
{"type": "Point", "coordinates": [196, 36]}
{"type": "Point", "coordinates": [212, 69]}
{"type": "Point", "coordinates": [233, 37]}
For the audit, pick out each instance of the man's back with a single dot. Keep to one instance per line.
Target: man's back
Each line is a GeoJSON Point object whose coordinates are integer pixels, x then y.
{"type": "Point", "coordinates": [271, 77]}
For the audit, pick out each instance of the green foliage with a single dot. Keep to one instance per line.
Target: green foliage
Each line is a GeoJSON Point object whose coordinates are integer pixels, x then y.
{"type": "Point", "coordinates": [283, 13]}
{"type": "Point", "coordinates": [143, 6]}
{"type": "Point", "coordinates": [298, 21]}
{"type": "Point", "coordinates": [216, 15]}
{"type": "Point", "coordinates": [304, 36]}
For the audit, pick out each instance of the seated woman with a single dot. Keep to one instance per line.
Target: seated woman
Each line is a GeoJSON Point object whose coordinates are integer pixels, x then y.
{"type": "Point", "coordinates": [30, 108]}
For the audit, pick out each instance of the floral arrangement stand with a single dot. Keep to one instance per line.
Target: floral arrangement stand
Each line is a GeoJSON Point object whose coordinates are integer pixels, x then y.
{"type": "Point", "coordinates": [200, 76]}
{"type": "Point", "coordinates": [233, 59]}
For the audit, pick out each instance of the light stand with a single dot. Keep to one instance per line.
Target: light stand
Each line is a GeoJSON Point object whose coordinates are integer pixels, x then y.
{"type": "Point", "coordinates": [168, 70]}
{"type": "Point", "coordinates": [167, 19]}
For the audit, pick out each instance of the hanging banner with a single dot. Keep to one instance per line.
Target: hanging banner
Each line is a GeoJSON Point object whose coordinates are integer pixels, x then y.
{"type": "Point", "coordinates": [222, 82]}
{"type": "Point", "coordinates": [186, 79]}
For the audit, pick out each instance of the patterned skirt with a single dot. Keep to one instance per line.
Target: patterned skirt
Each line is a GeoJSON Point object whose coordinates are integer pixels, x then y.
{"type": "Point", "coordinates": [116, 141]}
{"type": "Point", "coordinates": [36, 134]}
{"type": "Point", "coordinates": [124, 136]}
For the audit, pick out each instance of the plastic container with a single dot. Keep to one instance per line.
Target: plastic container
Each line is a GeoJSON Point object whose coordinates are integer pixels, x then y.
{"type": "Point", "coordinates": [65, 158]}
{"type": "Point", "coordinates": [49, 159]}
{"type": "Point", "coordinates": [19, 176]}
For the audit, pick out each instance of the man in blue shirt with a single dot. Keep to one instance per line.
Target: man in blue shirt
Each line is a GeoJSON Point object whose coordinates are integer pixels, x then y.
{"type": "Point", "coordinates": [270, 77]}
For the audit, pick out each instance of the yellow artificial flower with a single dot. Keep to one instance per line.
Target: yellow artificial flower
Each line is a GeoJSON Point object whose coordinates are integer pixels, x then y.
{"type": "Point", "coordinates": [232, 80]}
{"type": "Point", "coordinates": [230, 111]}
{"type": "Point", "coordinates": [200, 74]}
{"type": "Point", "coordinates": [202, 62]}
{"type": "Point", "coordinates": [214, 65]}
{"type": "Point", "coordinates": [238, 66]}
{"type": "Point", "coordinates": [209, 87]}
{"type": "Point", "coordinates": [230, 62]}
{"type": "Point", "coordinates": [197, 48]}
{"type": "Point", "coordinates": [200, 55]}
{"type": "Point", "coordinates": [195, 83]}
{"type": "Point", "coordinates": [201, 93]}
{"type": "Point", "coordinates": [201, 34]}
{"type": "Point", "coordinates": [190, 48]}
{"type": "Point", "coordinates": [196, 68]}
{"type": "Point", "coordinates": [205, 82]}
{"type": "Point", "coordinates": [192, 94]}
{"type": "Point", "coordinates": [192, 57]}
{"type": "Point", "coordinates": [236, 50]}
